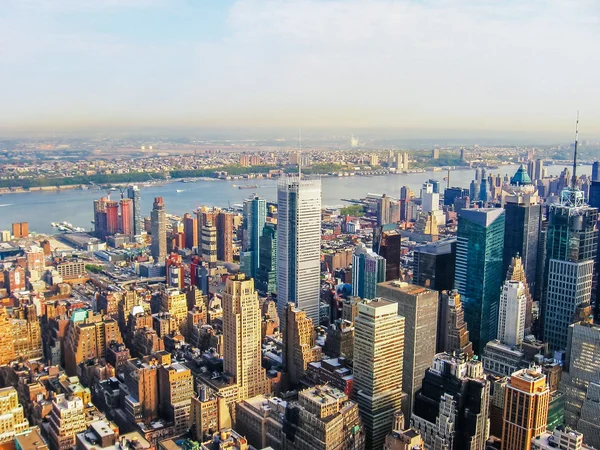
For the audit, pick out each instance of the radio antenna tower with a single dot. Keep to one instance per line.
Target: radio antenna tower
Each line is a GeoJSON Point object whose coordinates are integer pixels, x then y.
{"type": "Point", "coordinates": [574, 179]}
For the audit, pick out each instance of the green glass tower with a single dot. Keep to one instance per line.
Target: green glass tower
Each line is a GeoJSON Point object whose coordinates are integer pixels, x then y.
{"type": "Point", "coordinates": [479, 275]}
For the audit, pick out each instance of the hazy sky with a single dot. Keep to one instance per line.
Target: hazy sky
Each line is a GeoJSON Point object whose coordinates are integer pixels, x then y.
{"type": "Point", "coordinates": [502, 65]}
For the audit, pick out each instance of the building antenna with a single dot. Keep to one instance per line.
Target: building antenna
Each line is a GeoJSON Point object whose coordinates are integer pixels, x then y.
{"type": "Point", "coordinates": [574, 180]}
{"type": "Point", "coordinates": [299, 153]}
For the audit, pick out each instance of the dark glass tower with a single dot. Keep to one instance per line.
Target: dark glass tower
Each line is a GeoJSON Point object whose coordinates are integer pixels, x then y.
{"type": "Point", "coordinates": [266, 274]}
{"type": "Point", "coordinates": [571, 247]}
{"type": "Point", "coordinates": [522, 229]}
{"type": "Point", "coordinates": [434, 265]}
{"type": "Point", "coordinates": [450, 194]}
{"type": "Point", "coordinates": [133, 192]}
{"type": "Point", "coordinates": [479, 274]}
{"type": "Point", "coordinates": [387, 242]}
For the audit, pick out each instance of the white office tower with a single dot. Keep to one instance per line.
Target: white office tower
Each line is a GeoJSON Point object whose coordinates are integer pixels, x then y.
{"type": "Point", "coordinates": [299, 245]}
{"type": "Point", "coordinates": [513, 307]}
{"type": "Point", "coordinates": [430, 201]}
{"type": "Point", "coordinates": [430, 206]}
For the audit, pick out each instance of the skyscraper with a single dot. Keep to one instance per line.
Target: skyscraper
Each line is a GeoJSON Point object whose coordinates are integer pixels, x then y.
{"type": "Point", "coordinates": [571, 247]}
{"type": "Point", "coordinates": [209, 246]}
{"type": "Point", "coordinates": [596, 171]}
{"type": "Point", "coordinates": [383, 210]}
{"type": "Point", "coordinates": [368, 269]}
{"type": "Point", "coordinates": [419, 307]}
{"type": "Point", "coordinates": [511, 319]}
{"type": "Point", "coordinates": [378, 360]}
{"type": "Point", "coordinates": [133, 192]}
{"type": "Point", "coordinates": [126, 216]}
{"type": "Point", "coordinates": [387, 242]}
{"type": "Point", "coordinates": [522, 228]}
{"type": "Point", "coordinates": [299, 341]}
{"type": "Point", "coordinates": [176, 388]}
{"type": "Point", "coordinates": [299, 245]}
{"type": "Point", "coordinates": [255, 210]}
{"type": "Point", "coordinates": [452, 335]}
{"type": "Point", "coordinates": [266, 274]}
{"type": "Point", "coordinates": [452, 408]}
{"type": "Point", "coordinates": [158, 220]}
{"type": "Point", "coordinates": [190, 230]}
{"type": "Point", "coordinates": [112, 217]}
{"type": "Point", "coordinates": [225, 236]}
{"type": "Point", "coordinates": [526, 398]}
{"type": "Point", "coordinates": [434, 264]}
{"type": "Point", "coordinates": [242, 355]}
{"type": "Point", "coordinates": [581, 381]}
{"type": "Point", "coordinates": [479, 272]}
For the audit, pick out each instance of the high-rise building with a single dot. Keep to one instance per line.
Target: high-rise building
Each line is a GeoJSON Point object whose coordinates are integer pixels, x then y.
{"type": "Point", "coordinates": [88, 336]}
{"type": "Point", "coordinates": [383, 210]}
{"type": "Point", "coordinates": [511, 318]}
{"type": "Point", "coordinates": [378, 361]}
{"type": "Point", "coordinates": [242, 358]}
{"type": "Point", "coordinates": [266, 274]}
{"type": "Point", "coordinates": [112, 217]}
{"type": "Point", "coordinates": [387, 242]}
{"type": "Point", "coordinates": [174, 302]}
{"type": "Point", "coordinates": [523, 213]}
{"type": "Point", "coordinates": [299, 245]}
{"type": "Point", "coordinates": [368, 269]}
{"type": "Point", "coordinates": [479, 272]}
{"type": "Point", "coordinates": [526, 398]}
{"type": "Point", "coordinates": [581, 381]}
{"type": "Point", "coordinates": [225, 236]}
{"type": "Point", "coordinates": [100, 218]}
{"type": "Point", "coordinates": [571, 247]}
{"type": "Point", "coordinates": [126, 216]}
{"type": "Point", "coordinates": [434, 264]}
{"type": "Point", "coordinates": [158, 219]}
{"type": "Point", "coordinates": [539, 169]}
{"type": "Point", "coordinates": [405, 196]}
{"type": "Point", "coordinates": [452, 193]}
{"type": "Point", "coordinates": [133, 193]}
{"type": "Point", "coordinates": [141, 379]}
{"type": "Point", "coordinates": [596, 171]}
{"type": "Point", "coordinates": [300, 346]}
{"type": "Point", "coordinates": [452, 334]}
{"type": "Point", "coordinates": [12, 417]}
{"type": "Point", "coordinates": [35, 261]}
{"type": "Point", "coordinates": [190, 230]}
{"type": "Point", "coordinates": [452, 408]}
{"type": "Point", "coordinates": [255, 209]}
{"type": "Point", "coordinates": [209, 246]}
{"type": "Point", "coordinates": [66, 419]}
{"type": "Point", "coordinates": [419, 307]}
{"type": "Point", "coordinates": [176, 389]}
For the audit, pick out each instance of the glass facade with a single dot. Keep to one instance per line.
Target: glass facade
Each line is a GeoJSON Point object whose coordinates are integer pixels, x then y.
{"type": "Point", "coordinates": [521, 236]}
{"type": "Point", "coordinates": [479, 273]}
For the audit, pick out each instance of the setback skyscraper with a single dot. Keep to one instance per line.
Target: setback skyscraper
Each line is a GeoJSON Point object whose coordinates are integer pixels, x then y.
{"type": "Point", "coordinates": [522, 229]}
{"type": "Point", "coordinates": [299, 245]}
{"type": "Point", "coordinates": [571, 247]}
{"type": "Point", "coordinates": [479, 273]}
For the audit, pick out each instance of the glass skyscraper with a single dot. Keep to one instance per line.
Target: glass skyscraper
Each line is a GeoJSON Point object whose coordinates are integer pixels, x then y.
{"type": "Point", "coordinates": [266, 274]}
{"type": "Point", "coordinates": [299, 245]}
{"type": "Point", "coordinates": [133, 192]}
{"type": "Point", "coordinates": [479, 273]}
{"type": "Point", "coordinates": [368, 269]}
{"type": "Point", "coordinates": [255, 211]}
{"type": "Point", "coordinates": [571, 246]}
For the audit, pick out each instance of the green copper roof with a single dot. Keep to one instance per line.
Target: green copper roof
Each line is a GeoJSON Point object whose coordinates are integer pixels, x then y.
{"type": "Point", "coordinates": [521, 178]}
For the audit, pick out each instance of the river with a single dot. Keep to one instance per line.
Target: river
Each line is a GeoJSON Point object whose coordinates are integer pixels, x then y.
{"type": "Point", "coordinates": [40, 209]}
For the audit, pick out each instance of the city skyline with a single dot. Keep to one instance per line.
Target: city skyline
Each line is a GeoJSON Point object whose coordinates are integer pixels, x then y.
{"type": "Point", "coordinates": [151, 63]}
